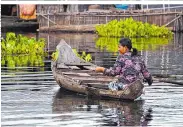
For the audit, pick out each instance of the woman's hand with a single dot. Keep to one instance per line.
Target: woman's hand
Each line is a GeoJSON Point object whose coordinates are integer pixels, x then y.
{"type": "Point", "coordinates": [99, 69]}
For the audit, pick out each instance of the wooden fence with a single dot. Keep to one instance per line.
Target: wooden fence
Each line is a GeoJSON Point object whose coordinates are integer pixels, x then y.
{"type": "Point", "coordinates": [48, 21]}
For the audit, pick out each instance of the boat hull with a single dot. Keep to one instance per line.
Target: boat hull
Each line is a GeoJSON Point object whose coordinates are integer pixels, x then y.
{"type": "Point", "coordinates": [74, 74]}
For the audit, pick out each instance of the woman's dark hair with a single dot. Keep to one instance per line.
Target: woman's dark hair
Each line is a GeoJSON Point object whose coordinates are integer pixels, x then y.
{"type": "Point", "coordinates": [127, 42]}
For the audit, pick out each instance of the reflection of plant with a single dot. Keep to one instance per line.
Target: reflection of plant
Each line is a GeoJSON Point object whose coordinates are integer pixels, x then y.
{"type": "Point", "coordinates": [22, 60]}
{"type": "Point", "coordinates": [131, 28]}
{"type": "Point", "coordinates": [111, 44]}
{"type": "Point", "coordinates": [21, 45]}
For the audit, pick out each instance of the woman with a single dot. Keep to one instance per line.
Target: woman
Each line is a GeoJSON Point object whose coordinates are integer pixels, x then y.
{"type": "Point", "coordinates": [129, 66]}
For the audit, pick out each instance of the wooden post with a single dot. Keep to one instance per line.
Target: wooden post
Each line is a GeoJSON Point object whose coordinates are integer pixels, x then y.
{"type": "Point", "coordinates": [98, 20]}
{"type": "Point", "coordinates": [84, 20]}
{"type": "Point", "coordinates": [179, 25]}
{"type": "Point", "coordinates": [64, 19]}
{"type": "Point", "coordinates": [48, 17]}
{"type": "Point", "coordinates": [160, 18]}
{"type": "Point", "coordinates": [73, 19]}
{"type": "Point", "coordinates": [92, 19]}
{"type": "Point", "coordinates": [176, 17]}
{"type": "Point", "coordinates": [37, 34]}
{"type": "Point", "coordinates": [18, 11]}
{"type": "Point", "coordinates": [69, 19]}
{"type": "Point", "coordinates": [163, 7]}
{"type": "Point", "coordinates": [48, 41]}
{"type": "Point", "coordinates": [54, 18]}
{"type": "Point", "coordinates": [182, 23]}
{"type": "Point", "coordinates": [168, 7]}
{"type": "Point", "coordinates": [176, 26]}
{"type": "Point", "coordinates": [48, 20]}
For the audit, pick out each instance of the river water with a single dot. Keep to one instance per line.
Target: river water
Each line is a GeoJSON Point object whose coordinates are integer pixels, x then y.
{"type": "Point", "coordinates": [31, 97]}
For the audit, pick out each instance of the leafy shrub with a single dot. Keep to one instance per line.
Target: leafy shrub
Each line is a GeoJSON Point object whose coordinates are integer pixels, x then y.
{"type": "Point", "coordinates": [18, 51]}
{"type": "Point", "coordinates": [20, 44]}
{"type": "Point", "coordinates": [131, 28]}
{"type": "Point", "coordinates": [84, 56]}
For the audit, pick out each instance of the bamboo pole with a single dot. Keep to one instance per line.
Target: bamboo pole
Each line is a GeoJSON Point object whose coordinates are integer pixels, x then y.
{"type": "Point", "coordinates": [168, 81]}
{"type": "Point", "coordinates": [172, 21]}
{"type": "Point", "coordinates": [98, 20]}
{"type": "Point", "coordinates": [84, 20]}
{"type": "Point", "coordinates": [17, 6]}
{"type": "Point", "coordinates": [48, 19]}
{"type": "Point", "coordinates": [181, 23]}
{"type": "Point", "coordinates": [119, 14]}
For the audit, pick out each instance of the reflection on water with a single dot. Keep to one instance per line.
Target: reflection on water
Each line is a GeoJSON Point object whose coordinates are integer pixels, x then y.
{"type": "Point", "coordinates": [111, 44]}
{"type": "Point", "coordinates": [31, 97]}
{"type": "Point", "coordinates": [160, 55]}
{"type": "Point", "coordinates": [99, 112]}
{"type": "Point", "coordinates": [13, 61]}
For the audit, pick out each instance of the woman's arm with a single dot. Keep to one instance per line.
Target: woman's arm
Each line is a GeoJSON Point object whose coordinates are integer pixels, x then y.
{"type": "Point", "coordinates": [113, 71]}
{"type": "Point", "coordinates": [116, 69]}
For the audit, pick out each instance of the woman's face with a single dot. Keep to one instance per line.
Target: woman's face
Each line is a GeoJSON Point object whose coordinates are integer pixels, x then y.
{"type": "Point", "coordinates": [122, 49]}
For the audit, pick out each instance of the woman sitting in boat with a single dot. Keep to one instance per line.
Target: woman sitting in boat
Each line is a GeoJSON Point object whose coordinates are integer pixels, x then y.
{"type": "Point", "coordinates": [129, 66]}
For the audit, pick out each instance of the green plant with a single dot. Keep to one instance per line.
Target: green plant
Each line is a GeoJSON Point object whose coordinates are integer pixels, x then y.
{"type": "Point", "coordinates": [19, 50]}
{"type": "Point", "coordinates": [55, 55]}
{"type": "Point", "coordinates": [131, 28]}
{"type": "Point", "coordinates": [20, 44]}
{"type": "Point", "coordinates": [84, 56]}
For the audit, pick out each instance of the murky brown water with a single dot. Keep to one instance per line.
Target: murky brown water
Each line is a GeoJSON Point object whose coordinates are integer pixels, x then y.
{"type": "Point", "coordinates": [31, 97]}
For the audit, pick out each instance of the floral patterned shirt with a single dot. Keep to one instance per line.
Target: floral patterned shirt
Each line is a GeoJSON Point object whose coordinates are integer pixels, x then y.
{"type": "Point", "coordinates": [129, 68]}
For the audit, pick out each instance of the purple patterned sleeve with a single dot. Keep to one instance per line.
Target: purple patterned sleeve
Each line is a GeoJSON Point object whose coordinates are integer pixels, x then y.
{"type": "Point", "coordinates": [116, 69]}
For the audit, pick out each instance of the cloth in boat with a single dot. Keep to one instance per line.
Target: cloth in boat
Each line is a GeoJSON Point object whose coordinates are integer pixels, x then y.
{"type": "Point", "coordinates": [129, 69]}
{"type": "Point", "coordinates": [115, 85]}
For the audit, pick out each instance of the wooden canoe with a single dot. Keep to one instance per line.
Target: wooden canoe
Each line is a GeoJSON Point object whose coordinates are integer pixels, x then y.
{"type": "Point", "coordinates": [74, 74]}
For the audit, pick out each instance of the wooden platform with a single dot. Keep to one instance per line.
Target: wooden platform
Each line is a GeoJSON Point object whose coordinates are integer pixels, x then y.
{"type": "Point", "coordinates": [69, 28]}
{"type": "Point", "coordinates": [13, 24]}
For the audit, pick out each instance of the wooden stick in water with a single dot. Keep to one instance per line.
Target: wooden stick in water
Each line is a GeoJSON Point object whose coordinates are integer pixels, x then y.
{"type": "Point", "coordinates": [168, 81]}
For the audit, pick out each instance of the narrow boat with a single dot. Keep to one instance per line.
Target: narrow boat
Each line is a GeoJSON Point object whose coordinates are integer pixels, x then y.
{"type": "Point", "coordinates": [77, 75]}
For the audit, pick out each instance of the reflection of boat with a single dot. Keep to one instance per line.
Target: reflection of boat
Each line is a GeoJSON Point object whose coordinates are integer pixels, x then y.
{"type": "Point", "coordinates": [111, 112]}
{"type": "Point", "coordinates": [76, 75]}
